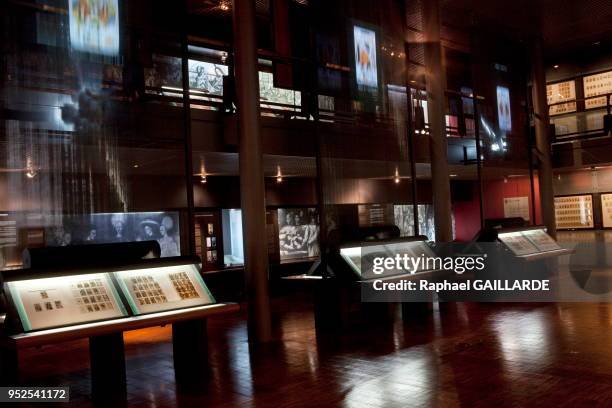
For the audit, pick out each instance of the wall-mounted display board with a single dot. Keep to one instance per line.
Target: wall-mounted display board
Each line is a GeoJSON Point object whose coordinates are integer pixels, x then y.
{"type": "Point", "coordinates": [163, 288]}
{"type": "Point", "coordinates": [561, 92]}
{"type": "Point", "coordinates": [574, 212]}
{"type": "Point", "coordinates": [606, 210]}
{"type": "Point", "coordinates": [595, 85]}
{"type": "Point", "coordinates": [65, 300]}
{"type": "Point", "coordinates": [371, 215]}
{"type": "Point", "coordinates": [516, 207]}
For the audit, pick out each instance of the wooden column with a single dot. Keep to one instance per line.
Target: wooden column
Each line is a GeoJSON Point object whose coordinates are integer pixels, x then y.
{"type": "Point", "coordinates": [436, 108]}
{"type": "Point", "coordinates": [541, 122]}
{"type": "Point", "coordinates": [252, 192]}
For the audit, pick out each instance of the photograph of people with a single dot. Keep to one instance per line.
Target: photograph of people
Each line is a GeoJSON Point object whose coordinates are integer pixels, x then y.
{"type": "Point", "coordinates": [168, 245]}
{"type": "Point", "coordinates": [298, 233]}
{"type": "Point", "coordinates": [147, 230]}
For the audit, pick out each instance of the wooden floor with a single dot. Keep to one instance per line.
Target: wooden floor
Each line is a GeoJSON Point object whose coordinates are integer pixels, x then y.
{"type": "Point", "coordinates": [467, 355]}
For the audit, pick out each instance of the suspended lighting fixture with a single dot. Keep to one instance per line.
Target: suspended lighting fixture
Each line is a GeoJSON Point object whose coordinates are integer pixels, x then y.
{"type": "Point", "coordinates": [279, 175]}
{"type": "Point", "coordinates": [30, 169]}
{"type": "Point", "coordinates": [202, 171]}
{"type": "Point", "coordinates": [397, 176]}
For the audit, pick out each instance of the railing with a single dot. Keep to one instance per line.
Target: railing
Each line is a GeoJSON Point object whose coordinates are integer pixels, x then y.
{"type": "Point", "coordinates": [581, 124]}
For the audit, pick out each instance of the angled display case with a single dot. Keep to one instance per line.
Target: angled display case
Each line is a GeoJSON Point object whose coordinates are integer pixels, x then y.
{"type": "Point", "coordinates": [164, 288]}
{"type": "Point", "coordinates": [64, 300]}
{"type": "Point", "coordinates": [39, 299]}
{"type": "Point", "coordinates": [530, 243]}
{"type": "Point", "coordinates": [360, 257]}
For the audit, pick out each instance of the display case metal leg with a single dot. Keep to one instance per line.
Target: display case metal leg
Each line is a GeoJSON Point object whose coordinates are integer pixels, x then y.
{"type": "Point", "coordinates": [416, 311]}
{"type": "Point", "coordinates": [9, 366]}
{"type": "Point", "coordinates": [330, 307]}
{"type": "Point", "coordinates": [107, 360]}
{"type": "Point", "coordinates": [190, 348]}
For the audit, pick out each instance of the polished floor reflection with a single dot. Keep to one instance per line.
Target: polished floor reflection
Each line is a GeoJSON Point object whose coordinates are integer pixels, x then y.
{"type": "Point", "coordinates": [455, 355]}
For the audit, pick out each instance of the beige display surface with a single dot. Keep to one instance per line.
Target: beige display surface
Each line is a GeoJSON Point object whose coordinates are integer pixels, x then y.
{"type": "Point", "coordinates": [518, 243]}
{"type": "Point", "coordinates": [606, 210]}
{"type": "Point", "coordinates": [541, 240]}
{"type": "Point", "coordinates": [516, 207]}
{"type": "Point", "coordinates": [65, 300]}
{"type": "Point", "coordinates": [561, 92]}
{"type": "Point", "coordinates": [164, 288]}
{"type": "Point", "coordinates": [595, 85]}
{"type": "Point", "coordinates": [574, 212]}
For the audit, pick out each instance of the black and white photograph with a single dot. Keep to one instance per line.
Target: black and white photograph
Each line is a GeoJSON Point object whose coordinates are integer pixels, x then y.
{"type": "Point", "coordinates": [298, 233]}
{"type": "Point", "coordinates": [104, 228]}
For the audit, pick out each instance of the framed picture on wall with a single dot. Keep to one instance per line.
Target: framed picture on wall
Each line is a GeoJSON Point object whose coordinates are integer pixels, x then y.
{"type": "Point", "coordinates": [298, 234]}
{"type": "Point", "coordinates": [606, 210]}
{"type": "Point", "coordinates": [574, 212]}
{"type": "Point", "coordinates": [516, 207]}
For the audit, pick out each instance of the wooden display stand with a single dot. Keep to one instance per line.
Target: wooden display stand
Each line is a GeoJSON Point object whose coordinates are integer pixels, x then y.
{"type": "Point", "coordinates": [106, 347]}
{"type": "Point", "coordinates": [99, 303]}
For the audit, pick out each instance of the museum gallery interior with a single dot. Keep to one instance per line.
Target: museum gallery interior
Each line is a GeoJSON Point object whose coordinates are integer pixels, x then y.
{"type": "Point", "coordinates": [216, 202]}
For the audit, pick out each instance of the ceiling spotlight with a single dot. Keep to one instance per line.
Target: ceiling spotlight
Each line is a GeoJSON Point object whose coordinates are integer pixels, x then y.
{"type": "Point", "coordinates": [396, 178]}
{"type": "Point", "coordinates": [30, 169]}
{"type": "Point", "coordinates": [224, 6]}
{"type": "Point", "coordinates": [556, 66]}
{"type": "Point", "coordinates": [135, 166]}
{"type": "Point", "coordinates": [279, 175]}
{"type": "Point", "coordinates": [203, 179]}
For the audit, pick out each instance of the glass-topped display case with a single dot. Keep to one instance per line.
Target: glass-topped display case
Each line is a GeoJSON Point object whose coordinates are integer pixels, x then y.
{"type": "Point", "coordinates": [39, 299]}
{"type": "Point", "coordinates": [364, 259]}
{"type": "Point", "coordinates": [64, 300]}
{"type": "Point", "coordinates": [529, 242]}
{"type": "Point", "coordinates": [164, 288]}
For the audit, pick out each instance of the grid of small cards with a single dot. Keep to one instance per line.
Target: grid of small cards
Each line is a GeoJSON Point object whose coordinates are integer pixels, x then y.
{"type": "Point", "coordinates": [91, 296]}
{"type": "Point", "coordinates": [183, 285]}
{"type": "Point", "coordinates": [147, 291]}
{"type": "Point", "coordinates": [46, 303]}
{"type": "Point", "coordinates": [574, 212]}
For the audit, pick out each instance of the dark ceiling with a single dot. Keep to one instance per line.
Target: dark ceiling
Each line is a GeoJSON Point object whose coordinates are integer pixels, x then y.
{"type": "Point", "coordinates": [567, 27]}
